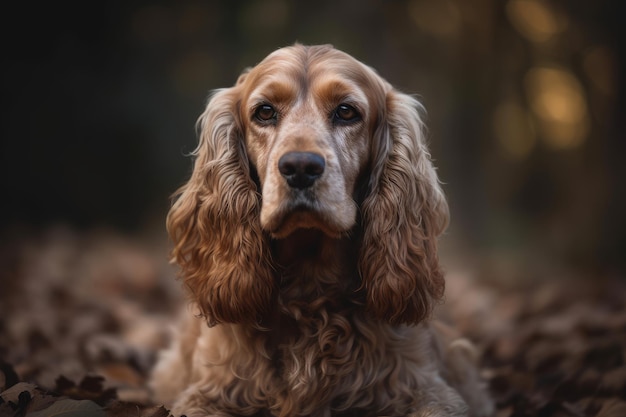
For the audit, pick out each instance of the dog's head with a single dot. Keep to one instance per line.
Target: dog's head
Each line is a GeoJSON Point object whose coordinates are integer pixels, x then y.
{"type": "Point", "coordinates": [309, 138]}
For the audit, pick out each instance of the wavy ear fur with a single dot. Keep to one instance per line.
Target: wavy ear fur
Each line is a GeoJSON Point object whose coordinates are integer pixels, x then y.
{"type": "Point", "coordinates": [402, 216]}
{"type": "Point", "coordinates": [214, 223]}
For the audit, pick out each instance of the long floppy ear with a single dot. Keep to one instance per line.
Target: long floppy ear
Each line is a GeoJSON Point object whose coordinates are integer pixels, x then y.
{"type": "Point", "coordinates": [214, 223]}
{"type": "Point", "coordinates": [402, 216]}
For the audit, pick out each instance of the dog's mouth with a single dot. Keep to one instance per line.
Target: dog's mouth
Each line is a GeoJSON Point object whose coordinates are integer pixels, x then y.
{"type": "Point", "coordinates": [285, 211]}
{"type": "Point", "coordinates": [300, 216]}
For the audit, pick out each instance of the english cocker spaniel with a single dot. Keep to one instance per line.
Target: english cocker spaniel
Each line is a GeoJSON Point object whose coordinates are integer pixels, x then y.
{"type": "Point", "coordinates": [306, 238]}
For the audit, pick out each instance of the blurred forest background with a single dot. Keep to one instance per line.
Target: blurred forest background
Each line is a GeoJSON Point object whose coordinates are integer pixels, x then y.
{"type": "Point", "coordinates": [525, 100]}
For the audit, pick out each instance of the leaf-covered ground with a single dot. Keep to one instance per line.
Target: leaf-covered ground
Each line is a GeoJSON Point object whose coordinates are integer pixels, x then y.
{"type": "Point", "coordinates": [82, 316]}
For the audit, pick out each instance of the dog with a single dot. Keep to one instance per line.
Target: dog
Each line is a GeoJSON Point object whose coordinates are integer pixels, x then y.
{"type": "Point", "coordinates": [306, 238]}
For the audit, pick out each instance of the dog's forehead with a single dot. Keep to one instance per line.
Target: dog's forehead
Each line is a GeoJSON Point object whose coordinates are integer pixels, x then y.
{"type": "Point", "coordinates": [321, 70]}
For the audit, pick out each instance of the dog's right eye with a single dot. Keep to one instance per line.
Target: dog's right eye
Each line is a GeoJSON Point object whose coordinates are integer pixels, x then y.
{"type": "Point", "coordinates": [265, 113]}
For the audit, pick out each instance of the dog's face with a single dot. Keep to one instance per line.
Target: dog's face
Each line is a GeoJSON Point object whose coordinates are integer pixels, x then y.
{"type": "Point", "coordinates": [308, 128]}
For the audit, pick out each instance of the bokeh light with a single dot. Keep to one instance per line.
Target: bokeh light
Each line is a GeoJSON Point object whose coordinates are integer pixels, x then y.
{"type": "Point", "coordinates": [535, 19]}
{"type": "Point", "coordinates": [557, 100]}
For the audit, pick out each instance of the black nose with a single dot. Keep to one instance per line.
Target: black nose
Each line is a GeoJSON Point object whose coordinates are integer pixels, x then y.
{"type": "Point", "coordinates": [301, 169]}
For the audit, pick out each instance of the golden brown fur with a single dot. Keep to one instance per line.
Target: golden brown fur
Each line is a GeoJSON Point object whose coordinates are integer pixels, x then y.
{"type": "Point", "coordinates": [315, 285]}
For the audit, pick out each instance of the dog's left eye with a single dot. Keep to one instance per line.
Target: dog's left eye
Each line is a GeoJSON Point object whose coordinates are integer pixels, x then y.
{"type": "Point", "coordinates": [346, 113]}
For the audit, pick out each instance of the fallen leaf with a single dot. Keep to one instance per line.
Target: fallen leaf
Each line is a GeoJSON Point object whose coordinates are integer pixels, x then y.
{"type": "Point", "coordinates": [70, 408]}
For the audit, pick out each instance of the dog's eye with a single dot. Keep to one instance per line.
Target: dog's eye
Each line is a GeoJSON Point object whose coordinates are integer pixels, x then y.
{"type": "Point", "coordinates": [346, 113]}
{"type": "Point", "coordinates": [265, 113]}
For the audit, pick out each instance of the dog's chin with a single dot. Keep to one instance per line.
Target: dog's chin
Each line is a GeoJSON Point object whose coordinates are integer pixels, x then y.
{"type": "Point", "coordinates": [284, 223]}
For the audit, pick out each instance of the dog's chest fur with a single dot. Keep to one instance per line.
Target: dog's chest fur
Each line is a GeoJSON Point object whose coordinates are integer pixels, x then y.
{"type": "Point", "coordinates": [331, 360]}
{"type": "Point", "coordinates": [323, 350]}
